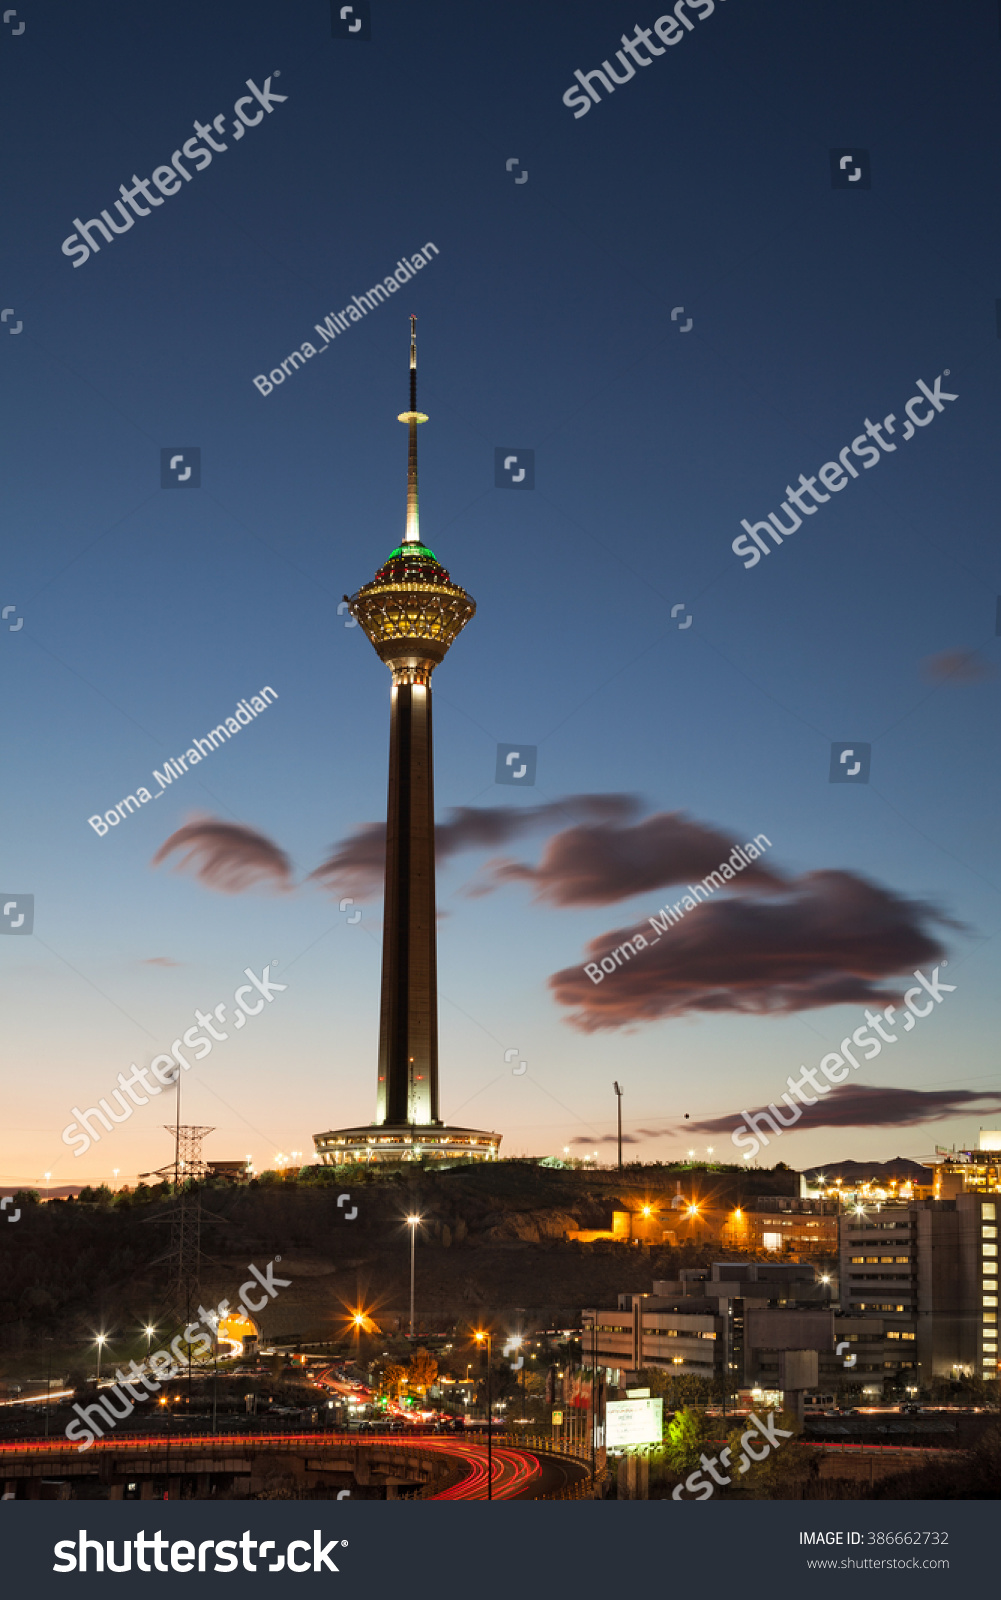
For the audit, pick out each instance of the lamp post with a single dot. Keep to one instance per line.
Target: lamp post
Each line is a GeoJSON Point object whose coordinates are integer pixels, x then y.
{"type": "Point", "coordinates": [618, 1107]}
{"type": "Point", "coordinates": [517, 1343]}
{"type": "Point", "coordinates": [412, 1222]}
{"type": "Point", "coordinates": [102, 1340]}
{"type": "Point", "coordinates": [480, 1337]}
{"type": "Point", "coordinates": [149, 1331]}
{"type": "Point", "coordinates": [48, 1388]}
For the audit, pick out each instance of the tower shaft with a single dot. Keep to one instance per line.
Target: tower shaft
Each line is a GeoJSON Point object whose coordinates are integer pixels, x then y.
{"type": "Point", "coordinates": [408, 1022]}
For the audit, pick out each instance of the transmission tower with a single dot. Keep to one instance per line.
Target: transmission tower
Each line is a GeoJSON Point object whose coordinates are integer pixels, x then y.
{"type": "Point", "coordinates": [184, 1255]}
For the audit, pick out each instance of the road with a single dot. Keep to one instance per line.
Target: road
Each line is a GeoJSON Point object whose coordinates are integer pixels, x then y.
{"type": "Point", "coordinates": [518, 1473]}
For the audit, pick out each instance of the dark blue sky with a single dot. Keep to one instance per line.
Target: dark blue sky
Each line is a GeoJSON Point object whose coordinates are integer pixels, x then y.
{"type": "Point", "coordinates": [544, 322]}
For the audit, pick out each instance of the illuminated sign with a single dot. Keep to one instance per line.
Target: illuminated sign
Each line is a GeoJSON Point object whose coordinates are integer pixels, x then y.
{"type": "Point", "coordinates": [557, 1418]}
{"type": "Point", "coordinates": [629, 1422]}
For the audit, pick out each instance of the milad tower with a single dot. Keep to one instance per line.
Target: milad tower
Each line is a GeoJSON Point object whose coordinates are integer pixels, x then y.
{"type": "Point", "coordinates": [412, 613]}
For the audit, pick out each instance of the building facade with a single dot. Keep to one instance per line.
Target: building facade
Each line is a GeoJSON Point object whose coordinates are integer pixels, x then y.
{"type": "Point", "coordinates": [926, 1273]}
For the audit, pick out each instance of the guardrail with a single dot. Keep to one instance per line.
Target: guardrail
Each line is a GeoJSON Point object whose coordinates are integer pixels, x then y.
{"type": "Point", "coordinates": [588, 1488]}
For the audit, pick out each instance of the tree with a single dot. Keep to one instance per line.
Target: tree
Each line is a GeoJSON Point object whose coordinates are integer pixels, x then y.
{"type": "Point", "coordinates": [687, 1390]}
{"type": "Point", "coordinates": [787, 1463]}
{"type": "Point", "coordinates": [393, 1378]}
{"type": "Point", "coordinates": [423, 1370]}
{"type": "Point", "coordinates": [687, 1436]}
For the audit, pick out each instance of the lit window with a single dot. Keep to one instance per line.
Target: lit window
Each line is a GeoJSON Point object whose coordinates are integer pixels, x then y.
{"type": "Point", "coordinates": [988, 1211]}
{"type": "Point", "coordinates": [903, 1260]}
{"type": "Point", "coordinates": [893, 1336]}
{"type": "Point", "coordinates": [990, 1299]}
{"type": "Point", "coordinates": [857, 1261]}
{"type": "Point", "coordinates": [990, 1249]}
{"type": "Point", "coordinates": [989, 1233]}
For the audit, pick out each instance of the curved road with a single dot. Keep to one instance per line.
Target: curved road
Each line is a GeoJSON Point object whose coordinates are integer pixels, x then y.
{"type": "Point", "coordinates": [518, 1473]}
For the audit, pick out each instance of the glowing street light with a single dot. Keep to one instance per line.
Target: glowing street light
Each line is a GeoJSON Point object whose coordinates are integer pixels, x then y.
{"type": "Point", "coordinates": [480, 1337]}
{"type": "Point", "coordinates": [102, 1339]}
{"type": "Point", "coordinates": [149, 1331]}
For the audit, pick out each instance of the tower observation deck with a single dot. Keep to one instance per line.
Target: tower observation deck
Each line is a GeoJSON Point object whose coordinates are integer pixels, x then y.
{"type": "Point", "coordinates": [412, 613]}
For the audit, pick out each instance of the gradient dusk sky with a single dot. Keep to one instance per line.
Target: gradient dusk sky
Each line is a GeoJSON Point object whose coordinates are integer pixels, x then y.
{"type": "Point", "coordinates": [544, 322]}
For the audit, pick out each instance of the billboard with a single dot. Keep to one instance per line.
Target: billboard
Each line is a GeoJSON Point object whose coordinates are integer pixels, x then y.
{"type": "Point", "coordinates": [629, 1422]}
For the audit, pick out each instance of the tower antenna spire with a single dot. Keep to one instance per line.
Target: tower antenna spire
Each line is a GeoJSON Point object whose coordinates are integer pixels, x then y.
{"type": "Point", "coordinates": [412, 532]}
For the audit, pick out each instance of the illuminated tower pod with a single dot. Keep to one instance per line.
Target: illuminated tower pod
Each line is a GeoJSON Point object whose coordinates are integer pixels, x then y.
{"type": "Point", "coordinates": [412, 612]}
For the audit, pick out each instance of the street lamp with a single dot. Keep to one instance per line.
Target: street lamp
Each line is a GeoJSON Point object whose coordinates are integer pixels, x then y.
{"type": "Point", "coordinates": [149, 1331]}
{"type": "Point", "coordinates": [102, 1340]}
{"type": "Point", "coordinates": [517, 1344]}
{"type": "Point", "coordinates": [618, 1107]}
{"type": "Point", "coordinates": [479, 1337]}
{"type": "Point", "coordinates": [412, 1222]}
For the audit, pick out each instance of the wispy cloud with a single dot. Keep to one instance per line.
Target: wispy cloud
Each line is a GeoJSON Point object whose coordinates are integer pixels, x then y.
{"type": "Point", "coordinates": [859, 1105]}
{"type": "Point", "coordinates": [598, 864]}
{"type": "Point", "coordinates": [226, 856]}
{"type": "Point", "coordinates": [827, 938]}
{"type": "Point", "coordinates": [957, 666]}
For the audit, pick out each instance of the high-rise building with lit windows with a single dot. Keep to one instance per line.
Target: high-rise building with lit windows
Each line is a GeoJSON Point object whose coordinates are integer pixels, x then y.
{"type": "Point", "coordinates": [412, 612]}
{"type": "Point", "coordinates": [927, 1275]}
